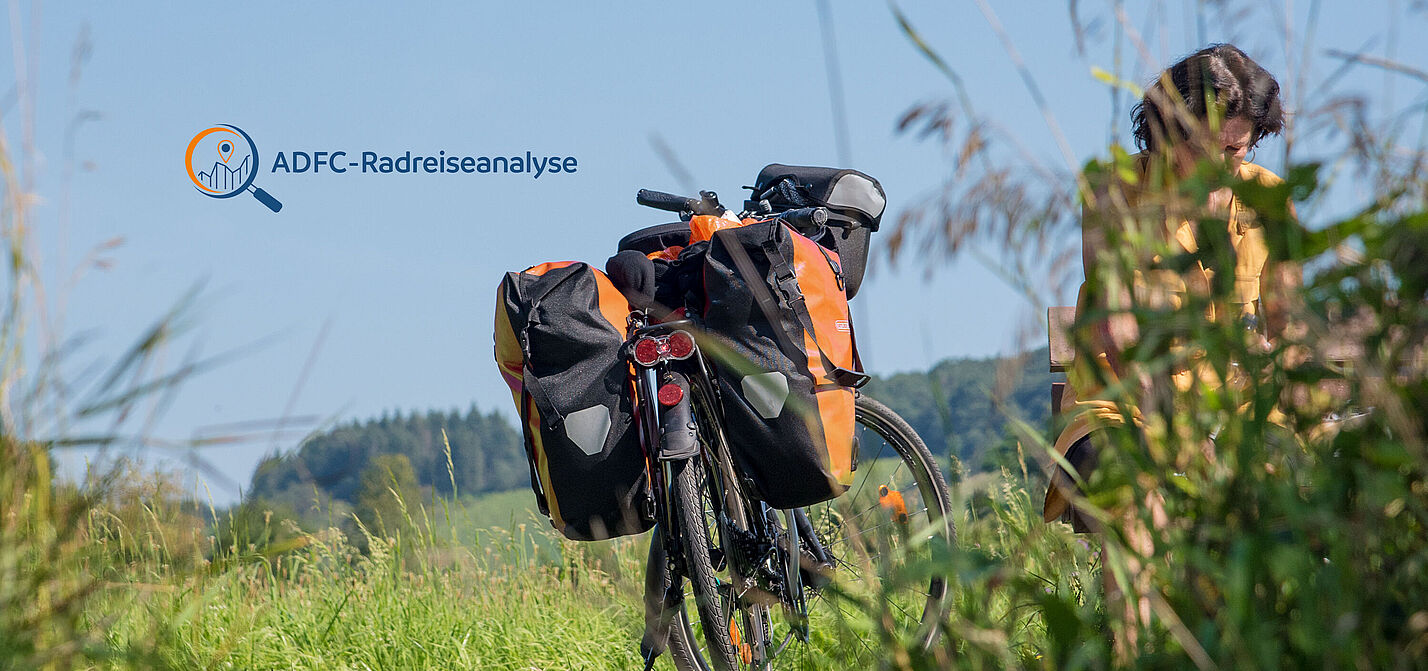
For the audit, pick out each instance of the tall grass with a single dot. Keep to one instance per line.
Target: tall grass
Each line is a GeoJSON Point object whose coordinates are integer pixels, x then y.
{"type": "Point", "coordinates": [327, 606]}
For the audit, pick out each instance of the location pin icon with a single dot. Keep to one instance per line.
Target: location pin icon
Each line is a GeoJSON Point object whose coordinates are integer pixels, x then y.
{"type": "Point", "coordinates": [225, 150]}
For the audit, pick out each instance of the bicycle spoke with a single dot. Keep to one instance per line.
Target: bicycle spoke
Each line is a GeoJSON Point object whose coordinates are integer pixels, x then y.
{"type": "Point", "coordinates": [885, 524]}
{"type": "Point", "coordinates": [860, 640]}
{"type": "Point", "coordinates": [873, 508]}
{"type": "Point", "coordinates": [874, 460]}
{"type": "Point", "coordinates": [850, 566]}
{"type": "Point", "coordinates": [900, 608]}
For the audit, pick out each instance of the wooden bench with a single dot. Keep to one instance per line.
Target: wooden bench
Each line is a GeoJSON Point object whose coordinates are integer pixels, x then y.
{"type": "Point", "coordinates": [1061, 351]}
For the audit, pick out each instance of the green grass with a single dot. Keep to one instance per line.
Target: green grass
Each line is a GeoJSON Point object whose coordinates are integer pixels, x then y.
{"type": "Point", "coordinates": [501, 510]}
{"type": "Point", "coordinates": [507, 596]}
{"type": "Point", "coordinates": [326, 607]}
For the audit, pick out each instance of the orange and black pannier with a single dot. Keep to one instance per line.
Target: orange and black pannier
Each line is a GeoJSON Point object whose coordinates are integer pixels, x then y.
{"type": "Point", "coordinates": [559, 331]}
{"type": "Point", "coordinates": [777, 318]}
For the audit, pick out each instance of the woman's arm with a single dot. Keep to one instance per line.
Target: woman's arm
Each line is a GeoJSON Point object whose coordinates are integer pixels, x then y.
{"type": "Point", "coordinates": [1279, 284]}
{"type": "Point", "coordinates": [1118, 330]}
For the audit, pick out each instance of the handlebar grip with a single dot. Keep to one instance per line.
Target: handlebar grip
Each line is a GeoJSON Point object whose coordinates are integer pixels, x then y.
{"type": "Point", "coordinates": [806, 218]}
{"type": "Point", "coordinates": [668, 202]}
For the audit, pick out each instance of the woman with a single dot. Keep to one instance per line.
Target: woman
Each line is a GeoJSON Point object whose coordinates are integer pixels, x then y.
{"type": "Point", "coordinates": [1216, 104]}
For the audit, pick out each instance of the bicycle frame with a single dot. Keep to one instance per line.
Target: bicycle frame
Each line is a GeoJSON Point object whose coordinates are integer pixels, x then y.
{"type": "Point", "coordinates": [693, 375]}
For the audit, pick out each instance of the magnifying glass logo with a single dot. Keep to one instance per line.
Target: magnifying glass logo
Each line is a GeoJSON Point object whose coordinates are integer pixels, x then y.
{"type": "Point", "coordinates": [222, 162]}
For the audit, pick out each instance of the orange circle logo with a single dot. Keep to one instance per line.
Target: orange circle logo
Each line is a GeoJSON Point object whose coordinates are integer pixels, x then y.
{"type": "Point", "coordinates": [222, 161]}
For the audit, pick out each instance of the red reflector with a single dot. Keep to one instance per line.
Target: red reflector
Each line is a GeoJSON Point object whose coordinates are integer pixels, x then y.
{"type": "Point", "coordinates": [670, 394]}
{"type": "Point", "coordinates": [681, 345]}
{"type": "Point", "coordinates": [646, 351]}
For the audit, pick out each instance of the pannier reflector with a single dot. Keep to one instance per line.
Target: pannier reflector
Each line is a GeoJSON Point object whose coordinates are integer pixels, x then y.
{"type": "Point", "coordinates": [766, 392]}
{"type": "Point", "coordinates": [588, 428]}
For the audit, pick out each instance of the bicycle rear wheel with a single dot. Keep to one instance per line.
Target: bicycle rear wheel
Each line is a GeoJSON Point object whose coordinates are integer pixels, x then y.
{"type": "Point", "coordinates": [714, 609]}
{"type": "Point", "coordinates": [717, 632]}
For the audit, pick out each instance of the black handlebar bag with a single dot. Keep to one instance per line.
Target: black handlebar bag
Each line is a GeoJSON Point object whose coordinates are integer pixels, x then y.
{"type": "Point", "coordinates": [559, 331]}
{"type": "Point", "coordinates": [855, 205]}
{"type": "Point", "coordinates": [779, 331]}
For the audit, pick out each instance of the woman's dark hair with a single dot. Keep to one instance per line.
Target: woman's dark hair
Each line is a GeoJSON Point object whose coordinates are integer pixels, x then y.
{"type": "Point", "coordinates": [1219, 73]}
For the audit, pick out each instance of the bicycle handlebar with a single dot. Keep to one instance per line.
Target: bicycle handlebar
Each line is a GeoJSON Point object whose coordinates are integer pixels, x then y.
{"type": "Point", "coordinates": [668, 202]}
{"type": "Point", "coordinates": [805, 218]}
{"type": "Point", "coordinates": [706, 203]}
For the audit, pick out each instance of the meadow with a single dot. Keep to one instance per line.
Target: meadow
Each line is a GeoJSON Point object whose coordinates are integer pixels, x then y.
{"type": "Point", "coordinates": [479, 583]}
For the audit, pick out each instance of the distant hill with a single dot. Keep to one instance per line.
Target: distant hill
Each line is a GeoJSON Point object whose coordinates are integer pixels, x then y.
{"type": "Point", "coordinates": [486, 456]}
{"type": "Point", "coordinates": [959, 408]}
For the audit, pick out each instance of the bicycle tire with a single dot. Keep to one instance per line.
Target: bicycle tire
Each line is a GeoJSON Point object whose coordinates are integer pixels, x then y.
{"type": "Point", "coordinates": [684, 642]}
{"type": "Point", "coordinates": [685, 647]}
{"type": "Point", "coordinates": [689, 484]}
{"type": "Point", "coordinates": [878, 417]}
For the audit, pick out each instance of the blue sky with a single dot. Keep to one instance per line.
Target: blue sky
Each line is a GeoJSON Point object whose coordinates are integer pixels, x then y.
{"type": "Point", "coordinates": [375, 292]}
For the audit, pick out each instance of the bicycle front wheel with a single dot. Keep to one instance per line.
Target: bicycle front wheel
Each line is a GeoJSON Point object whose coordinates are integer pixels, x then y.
{"type": "Point", "coordinates": [897, 512]}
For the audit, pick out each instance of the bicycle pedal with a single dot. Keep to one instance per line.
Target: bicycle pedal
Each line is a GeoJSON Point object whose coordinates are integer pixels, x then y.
{"type": "Point", "coordinates": [816, 575]}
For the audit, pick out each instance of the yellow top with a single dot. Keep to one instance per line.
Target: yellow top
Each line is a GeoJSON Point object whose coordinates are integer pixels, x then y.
{"type": "Point", "coordinates": [1088, 413]}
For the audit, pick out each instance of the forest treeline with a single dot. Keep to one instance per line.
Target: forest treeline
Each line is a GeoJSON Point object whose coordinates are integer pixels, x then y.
{"type": "Point", "coordinates": [960, 407]}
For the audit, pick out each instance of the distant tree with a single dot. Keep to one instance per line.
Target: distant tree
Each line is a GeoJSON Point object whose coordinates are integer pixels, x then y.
{"type": "Point", "coordinates": [486, 456]}
{"type": "Point", "coordinates": [255, 526]}
{"type": "Point", "coordinates": [386, 485]}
